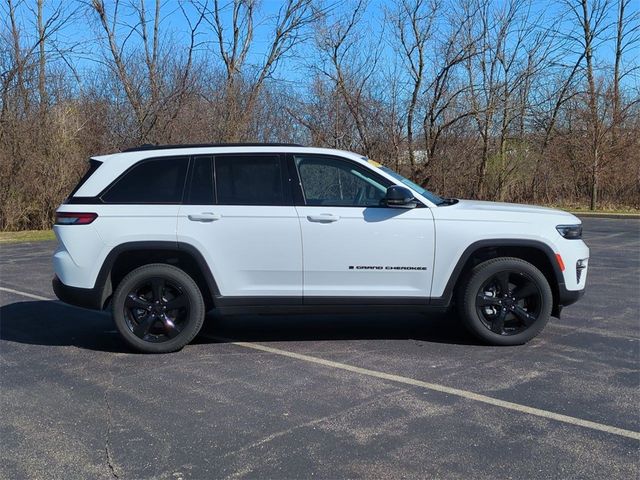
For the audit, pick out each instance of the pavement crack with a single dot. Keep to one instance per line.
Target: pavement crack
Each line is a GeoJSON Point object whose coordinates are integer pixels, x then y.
{"type": "Point", "coordinates": [107, 447]}
{"type": "Point", "coordinates": [310, 423]}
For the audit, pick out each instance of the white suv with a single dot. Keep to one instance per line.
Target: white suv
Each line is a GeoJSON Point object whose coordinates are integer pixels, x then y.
{"type": "Point", "coordinates": [165, 233]}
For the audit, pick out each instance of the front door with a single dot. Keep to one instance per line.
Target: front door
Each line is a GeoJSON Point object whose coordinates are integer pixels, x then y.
{"type": "Point", "coordinates": [353, 246]}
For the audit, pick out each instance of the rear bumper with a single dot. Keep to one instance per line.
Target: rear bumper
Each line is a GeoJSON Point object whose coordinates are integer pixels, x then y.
{"type": "Point", "coordinates": [80, 297]}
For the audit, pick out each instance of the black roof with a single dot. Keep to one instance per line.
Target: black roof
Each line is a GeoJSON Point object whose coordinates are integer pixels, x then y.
{"type": "Point", "coordinates": [148, 146]}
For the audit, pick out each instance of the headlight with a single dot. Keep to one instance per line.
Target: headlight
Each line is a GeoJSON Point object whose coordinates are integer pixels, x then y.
{"type": "Point", "coordinates": [570, 232]}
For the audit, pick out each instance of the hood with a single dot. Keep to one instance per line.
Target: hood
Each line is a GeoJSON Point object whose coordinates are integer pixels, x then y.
{"type": "Point", "coordinates": [481, 208]}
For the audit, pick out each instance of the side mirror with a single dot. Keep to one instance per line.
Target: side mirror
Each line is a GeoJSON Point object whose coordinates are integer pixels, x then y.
{"type": "Point", "coordinates": [399, 197]}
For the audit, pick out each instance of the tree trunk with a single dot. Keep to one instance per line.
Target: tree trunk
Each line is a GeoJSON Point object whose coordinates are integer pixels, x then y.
{"type": "Point", "coordinates": [483, 163]}
{"type": "Point", "coordinates": [616, 68]}
{"type": "Point", "coordinates": [593, 104]}
{"type": "Point", "coordinates": [42, 87]}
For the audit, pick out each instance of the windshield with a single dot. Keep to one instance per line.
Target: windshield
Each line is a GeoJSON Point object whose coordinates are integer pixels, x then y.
{"type": "Point", "coordinates": [432, 197]}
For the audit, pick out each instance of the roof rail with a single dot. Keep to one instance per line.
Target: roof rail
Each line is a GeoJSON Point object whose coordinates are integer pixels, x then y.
{"type": "Point", "coordinates": [148, 146]}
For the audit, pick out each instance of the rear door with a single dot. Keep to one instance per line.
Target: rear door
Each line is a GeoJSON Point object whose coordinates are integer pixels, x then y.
{"type": "Point", "coordinates": [240, 215]}
{"type": "Point", "coordinates": [354, 246]}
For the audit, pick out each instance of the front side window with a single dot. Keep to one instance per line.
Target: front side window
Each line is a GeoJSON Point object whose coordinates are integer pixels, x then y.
{"type": "Point", "coordinates": [251, 180]}
{"type": "Point", "coordinates": [158, 180]}
{"type": "Point", "coordinates": [330, 181]}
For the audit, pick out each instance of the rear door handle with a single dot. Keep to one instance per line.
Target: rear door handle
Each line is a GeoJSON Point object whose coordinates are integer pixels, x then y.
{"type": "Point", "coordinates": [323, 218]}
{"type": "Point", "coordinates": [204, 217]}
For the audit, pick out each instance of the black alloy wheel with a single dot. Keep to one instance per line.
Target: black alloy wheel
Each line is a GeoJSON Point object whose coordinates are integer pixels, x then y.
{"type": "Point", "coordinates": [505, 301]}
{"type": "Point", "coordinates": [158, 308]}
{"type": "Point", "coordinates": [509, 302]}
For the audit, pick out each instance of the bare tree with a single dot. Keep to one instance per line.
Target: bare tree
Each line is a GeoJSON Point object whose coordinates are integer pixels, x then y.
{"type": "Point", "coordinates": [42, 61]}
{"type": "Point", "coordinates": [593, 21]}
{"type": "Point", "coordinates": [502, 100]}
{"type": "Point", "coordinates": [444, 94]}
{"type": "Point", "coordinates": [413, 21]}
{"type": "Point", "coordinates": [152, 92]}
{"type": "Point", "coordinates": [484, 74]}
{"type": "Point", "coordinates": [27, 129]}
{"type": "Point", "coordinates": [350, 66]}
{"type": "Point", "coordinates": [234, 41]}
{"type": "Point", "coordinates": [627, 36]}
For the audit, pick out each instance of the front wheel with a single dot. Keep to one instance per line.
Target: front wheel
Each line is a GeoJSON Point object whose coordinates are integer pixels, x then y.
{"type": "Point", "coordinates": [158, 308]}
{"type": "Point", "coordinates": [506, 301]}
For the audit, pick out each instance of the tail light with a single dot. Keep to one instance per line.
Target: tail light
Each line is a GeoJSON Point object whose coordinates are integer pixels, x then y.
{"type": "Point", "coordinates": [69, 218]}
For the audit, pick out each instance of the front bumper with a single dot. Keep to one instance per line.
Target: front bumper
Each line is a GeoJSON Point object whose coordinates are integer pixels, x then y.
{"type": "Point", "coordinates": [569, 297]}
{"type": "Point", "coordinates": [80, 297]}
{"type": "Point", "coordinates": [565, 298]}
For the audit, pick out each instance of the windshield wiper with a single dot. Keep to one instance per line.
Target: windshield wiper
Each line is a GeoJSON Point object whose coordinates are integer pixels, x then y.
{"type": "Point", "coordinates": [448, 201]}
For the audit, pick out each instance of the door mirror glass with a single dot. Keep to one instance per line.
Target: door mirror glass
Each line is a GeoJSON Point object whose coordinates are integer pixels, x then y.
{"type": "Point", "coordinates": [399, 197]}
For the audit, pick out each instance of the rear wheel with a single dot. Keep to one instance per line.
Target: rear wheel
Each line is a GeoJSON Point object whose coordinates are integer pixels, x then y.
{"type": "Point", "coordinates": [506, 301]}
{"type": "Point", "coordinates": [158, 308]}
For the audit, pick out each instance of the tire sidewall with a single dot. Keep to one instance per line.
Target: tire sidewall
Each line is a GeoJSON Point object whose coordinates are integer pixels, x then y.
{"type": "Point", "coordinates": [479, 275]}
{"type": "Point", "coordinates": [175, 275]}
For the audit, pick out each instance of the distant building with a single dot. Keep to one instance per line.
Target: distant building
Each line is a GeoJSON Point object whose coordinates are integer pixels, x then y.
{"type": "Point", "coordinates": [420, 156]}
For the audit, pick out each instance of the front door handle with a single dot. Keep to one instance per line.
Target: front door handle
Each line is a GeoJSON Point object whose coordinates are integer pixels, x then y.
{"type": "Point", "coordinates": [204, 217]}
{"type": "Point", "coordinates": [323, 218]}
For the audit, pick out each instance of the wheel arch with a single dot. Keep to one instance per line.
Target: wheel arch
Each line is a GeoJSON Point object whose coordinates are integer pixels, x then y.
{"type": "Point", "coordinates": [125, 257]}
{"type": "Point", "coordinates": [535, 252]}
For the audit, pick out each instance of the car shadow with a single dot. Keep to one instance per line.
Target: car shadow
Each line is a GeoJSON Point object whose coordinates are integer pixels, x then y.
{"type": "Point", "coordinates": [53, 323]}
{"type": "Point", "coordinates": [435, 328]}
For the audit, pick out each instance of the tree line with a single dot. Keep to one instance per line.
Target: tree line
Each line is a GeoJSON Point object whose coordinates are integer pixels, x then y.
{"type": "Point", "coordinates": [514, 100]}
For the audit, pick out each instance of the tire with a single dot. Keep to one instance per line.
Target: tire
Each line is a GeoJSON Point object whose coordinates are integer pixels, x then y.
{"type": "Point", "coordinates": [158, 308]}
{"type": "Point", "coordinates": [505, 316]}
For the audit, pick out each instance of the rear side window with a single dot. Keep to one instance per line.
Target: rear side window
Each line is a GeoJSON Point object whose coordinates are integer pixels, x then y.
{"type": "Point", "coordinates": [157, 180]}
{"type": "Point", "coordinates": [93, 166]}
{"type": "Point", "coordinates": [201, 185]}
{"type": "Point", "coordinates": [251, 180]}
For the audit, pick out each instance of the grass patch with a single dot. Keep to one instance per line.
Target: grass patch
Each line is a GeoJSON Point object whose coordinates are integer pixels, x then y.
{"type": "Point", "coordinates": [577, 208]}
{"type": "Point", "coordinates": [27, 236]}
{"type": "Point", "coordinates": [620, 211]}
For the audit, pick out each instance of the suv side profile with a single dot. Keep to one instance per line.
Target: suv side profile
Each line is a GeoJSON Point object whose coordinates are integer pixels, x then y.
{"type": "Point", "coordinates": [164, 234]}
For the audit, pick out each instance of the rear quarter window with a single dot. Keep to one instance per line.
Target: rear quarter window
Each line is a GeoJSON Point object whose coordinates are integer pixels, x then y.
{"type": "Point", "coordinates": [151, 181]}
{"type": "Point", "coordinates": [93, 166]}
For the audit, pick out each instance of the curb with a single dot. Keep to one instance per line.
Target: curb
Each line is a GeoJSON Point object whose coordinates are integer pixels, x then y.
{"type": "Point", "coordinates": [25, 242]}
{"type": "Point", "coordinates": [633, 216]}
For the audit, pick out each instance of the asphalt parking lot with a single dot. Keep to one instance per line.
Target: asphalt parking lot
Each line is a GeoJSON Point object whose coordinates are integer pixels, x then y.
{"type": "Point", "coordinates": [389, 396]}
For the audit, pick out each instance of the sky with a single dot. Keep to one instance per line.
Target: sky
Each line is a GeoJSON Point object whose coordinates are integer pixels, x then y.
{"type": "Point", "coordinates": [80, 33]}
